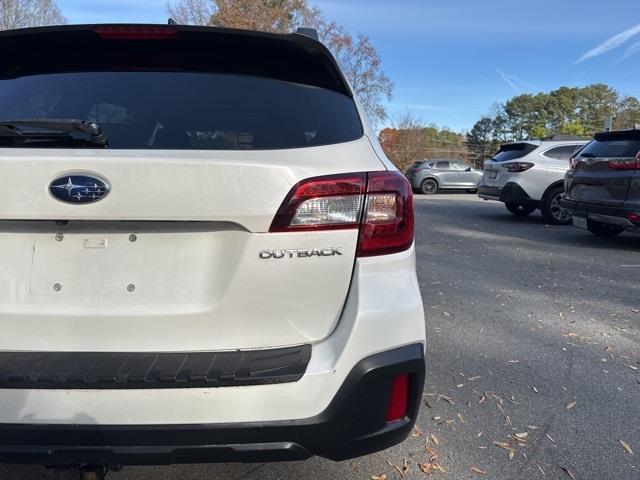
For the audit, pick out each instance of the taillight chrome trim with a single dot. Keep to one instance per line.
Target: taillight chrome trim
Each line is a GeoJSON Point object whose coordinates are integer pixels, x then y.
{"type": "Point", "coordinates": [336, 186]}
{"type": "Point", "coordinates": [375, 237]}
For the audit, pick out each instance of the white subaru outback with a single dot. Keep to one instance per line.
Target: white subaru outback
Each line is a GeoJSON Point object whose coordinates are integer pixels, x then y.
{"type": "Point", "coordinates": [529, 175]}
{"type": "Point", "coordinates": [205, 254]}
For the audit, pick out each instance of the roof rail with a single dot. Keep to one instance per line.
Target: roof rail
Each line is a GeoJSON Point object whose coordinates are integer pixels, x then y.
{"type": "Point", "coordinates": [560, 138]}
{"type": "Point", "coordinates": [308, 32]}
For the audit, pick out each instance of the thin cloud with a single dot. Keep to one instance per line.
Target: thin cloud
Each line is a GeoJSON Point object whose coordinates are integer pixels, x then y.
{"type": "Point", "coordinates": [510, 80]}
{"type": "Point", "coordinates": [630, 51]}
{"type": "Point", "coordinates": [611, 44]}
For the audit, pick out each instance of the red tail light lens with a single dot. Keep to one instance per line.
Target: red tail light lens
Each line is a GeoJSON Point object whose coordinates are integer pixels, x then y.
{"type": "Point", "coordinates": [399, 400]}
{"type": "Point", "coordinates": [380, 204]}
{"type": "Point", "coordinates": [625, 163]}
{"type": "Point", "coordinates": [515, 167]}
{"type": "Point", "coordinates": [130, 32]}
{"type": "Point", "coordinates": [387, 220]}
{"type": "Point", "coordinates": [633, 217]}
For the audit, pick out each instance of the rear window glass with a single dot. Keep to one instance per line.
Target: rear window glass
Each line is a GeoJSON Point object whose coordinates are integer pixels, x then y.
{"type": "Point", "coordinates": [418, 165]}
{"type": "Point", "coordinates": [513, 151]}
{"type": "Point", "coordinates": [562, 153]}
{"type": "Point", "coordinates": [181, 110]}
{"type": "Point", "coordinates": [442, 165]}
{"type": "Point", "coordinates": [611, 146]}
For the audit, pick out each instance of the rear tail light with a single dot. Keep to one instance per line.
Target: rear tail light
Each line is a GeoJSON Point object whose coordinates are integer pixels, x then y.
{"type": "Point", "coordinates": [399, 399]}
{"type": "Point", "coordinates": [625, 163]}
{"type": "Point", "coordinates": [573, 163]}
{"type": "Point", "coordinates": [380, 204]}
{"type": "Point", "coordinates": [387, 220]}
{"type": "Point", "coordinates": [633, 217]}
{"type": "Point", "coordinates": [515, 167]}
{"type": "Point", "coordinates": [130, 32]}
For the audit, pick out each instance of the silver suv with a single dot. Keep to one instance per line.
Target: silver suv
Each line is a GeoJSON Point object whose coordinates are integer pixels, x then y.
{"type": "Point", "coordinates": [429, 176]}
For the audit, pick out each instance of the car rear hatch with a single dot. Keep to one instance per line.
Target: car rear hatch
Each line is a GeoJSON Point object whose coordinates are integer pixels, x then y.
{"type": "Point", "coordinates": [501, 167]}
{"type": "Point", "coordinates": [208, 132]}
{"type": "Point", "coordinates": [415, 168]}
{"type": "Point", "coordinates": [602, 171]}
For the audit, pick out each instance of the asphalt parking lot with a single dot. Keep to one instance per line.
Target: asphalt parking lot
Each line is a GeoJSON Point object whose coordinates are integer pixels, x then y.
{"type": "Point", "coordinates": [533, 368]}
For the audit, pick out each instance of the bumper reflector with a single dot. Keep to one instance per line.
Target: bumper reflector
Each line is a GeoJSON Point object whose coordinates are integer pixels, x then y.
{"type": "Point", "coordinates": [399, 400]}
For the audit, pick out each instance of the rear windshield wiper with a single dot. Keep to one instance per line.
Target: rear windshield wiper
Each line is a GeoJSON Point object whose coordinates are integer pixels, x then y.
{"type": "Point", "coordinates": [53, 128]}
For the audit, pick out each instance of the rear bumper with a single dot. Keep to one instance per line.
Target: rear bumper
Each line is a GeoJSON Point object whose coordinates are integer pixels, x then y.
{"type": "Point", "coordinates": [616, 216]}
{"type": "Point", "coordinates": [353, 425]}
{"type": "Point", "coordinates": [510, 193]}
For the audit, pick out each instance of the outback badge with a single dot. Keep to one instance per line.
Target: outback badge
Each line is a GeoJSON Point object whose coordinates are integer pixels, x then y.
{"type": "Point", "coordinates": [296, 253]}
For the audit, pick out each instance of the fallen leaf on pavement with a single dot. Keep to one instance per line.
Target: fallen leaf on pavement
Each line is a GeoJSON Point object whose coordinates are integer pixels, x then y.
{"type": "Point", "coordinates": [434, 439]}
{"type": "Point", "coordinates": [507, 447]}
{"type": "Point", "coordinates": [570, 405]}
{"type": "Point", "coordinates": [431, 468]}
{"type": "Point", "coordinates": [568, 472]}
{"type": "Point", "coordinates": [447, 399]}
{"type": "Point", "coordinates": [522, 436]}
{"type": "Point", "coordinates": [626, 447]}
{"type": "Point", "coordinates": [379, 477]}
{"type": "Point", "coordinates": [477, 470]}
{"type": "Point", "coordinates": [402, 471]}
{"type": "Point", "coordinates": [535, 389]}
{"type": "Point", "coordinates": [433, 456]}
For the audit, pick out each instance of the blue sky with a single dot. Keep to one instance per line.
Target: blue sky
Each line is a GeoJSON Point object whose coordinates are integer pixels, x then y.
{"type": "Point", "coordinates": [451, 60]}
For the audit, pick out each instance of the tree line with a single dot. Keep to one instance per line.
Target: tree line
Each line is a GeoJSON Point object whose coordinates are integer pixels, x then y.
{"type": "Point", "coordinates": [410, 139]}
{"type": "Point", "coordinates": [566, 110]}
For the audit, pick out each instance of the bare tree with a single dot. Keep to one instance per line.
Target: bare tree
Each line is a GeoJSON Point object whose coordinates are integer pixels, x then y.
{"type": "Point", "coordinates": [363, 67]}
{"type": "Point", "coordinates": [280, 16]}
{"type": "Point", "coordinates": [192, 12]}
{"type": "Point", "coordinates": [405, 142]}
{"type": "Point", "coordinates": [29, 13]}
{"type": "Point", "coordinates": [358, 57]}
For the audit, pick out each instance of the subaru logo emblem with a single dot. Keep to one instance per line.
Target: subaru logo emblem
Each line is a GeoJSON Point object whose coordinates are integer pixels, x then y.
{"type": "Point", "coordinates": [79, 188]}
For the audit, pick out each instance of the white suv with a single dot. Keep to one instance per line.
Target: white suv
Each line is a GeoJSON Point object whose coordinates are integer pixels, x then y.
{"type": "Point", "coordinates": [214, 263]}
{"type": "Point", "coordinates": [529, 175]}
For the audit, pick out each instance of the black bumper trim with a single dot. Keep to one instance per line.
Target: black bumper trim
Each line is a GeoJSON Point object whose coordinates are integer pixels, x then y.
{"type": "Point", "coordinates": [50, 370]}
{"type": "Point", "coordinates": [616, 216]}
{"type": "Point", "coordinates": [353, 425]}
{"type": "Point", "coordinates": [510, 193]}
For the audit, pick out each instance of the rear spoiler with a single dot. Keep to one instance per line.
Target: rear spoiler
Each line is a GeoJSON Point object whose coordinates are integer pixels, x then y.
{"type": "Point", "coordinates": [618, 135]}
{"type": "Point", "coordinates": [292, 57]}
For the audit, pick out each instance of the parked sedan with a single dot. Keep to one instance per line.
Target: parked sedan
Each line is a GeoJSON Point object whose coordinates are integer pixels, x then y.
{"type": "Point", "coordinates": [602, 188]}
{"type": "Point", "coordinates": [429, 176]}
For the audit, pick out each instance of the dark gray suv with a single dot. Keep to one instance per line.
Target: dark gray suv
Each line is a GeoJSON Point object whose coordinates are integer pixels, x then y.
{"type": "Point", "coordinates": [603, 185]}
